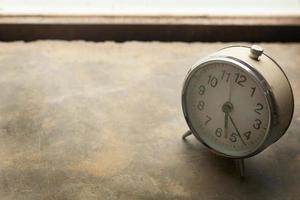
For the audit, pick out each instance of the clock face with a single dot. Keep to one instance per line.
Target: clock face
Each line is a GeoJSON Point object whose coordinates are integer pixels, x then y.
{"type": "Point", "coordinates": [226, 108]}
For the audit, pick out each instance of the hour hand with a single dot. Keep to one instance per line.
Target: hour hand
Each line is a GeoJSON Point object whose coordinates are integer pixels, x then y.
{"type": "Point", "coordinates": [226, 125]}
{"type": "Point", "coordinates": [226, 108]}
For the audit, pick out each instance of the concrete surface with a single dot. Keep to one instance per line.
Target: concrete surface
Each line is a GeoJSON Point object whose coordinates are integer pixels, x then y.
{"type": "Point", "coordinates": [82, 120]}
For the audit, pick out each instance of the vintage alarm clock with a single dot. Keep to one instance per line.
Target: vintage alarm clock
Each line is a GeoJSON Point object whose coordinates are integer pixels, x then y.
{"type": "Point", "coordinates": [237, 102]}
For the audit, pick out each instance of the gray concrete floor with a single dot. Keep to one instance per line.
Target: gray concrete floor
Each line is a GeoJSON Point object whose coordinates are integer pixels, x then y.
{"type": "Point", "coordinates": [82, 120]}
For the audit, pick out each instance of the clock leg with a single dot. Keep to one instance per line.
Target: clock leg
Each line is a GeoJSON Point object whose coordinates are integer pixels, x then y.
{"type": "Point", "coordinates": [240, 165]}
{"type": "Point", "coordinates": [186, 134]}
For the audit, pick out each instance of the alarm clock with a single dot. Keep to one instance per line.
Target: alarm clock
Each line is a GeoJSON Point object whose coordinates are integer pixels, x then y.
{"type": "Point", "coordinates": [237, 101]}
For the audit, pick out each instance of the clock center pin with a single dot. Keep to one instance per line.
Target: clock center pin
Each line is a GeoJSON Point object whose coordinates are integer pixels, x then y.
{"type": "Point", "coordinates": [227, 107]}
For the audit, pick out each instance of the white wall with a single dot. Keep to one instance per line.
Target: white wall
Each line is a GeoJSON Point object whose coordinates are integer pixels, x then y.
{"type": "Point", "coordinates": [151, 7]}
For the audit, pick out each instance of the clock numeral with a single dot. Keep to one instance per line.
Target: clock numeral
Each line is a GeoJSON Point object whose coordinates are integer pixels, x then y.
{"type": "Point", "coordinates": [258, 108]}
{"type": "Point", "coordinates": [247, 135]}
{"type": "Point", "coordinates": [201, 89]}
{"type": "Point", "coordinates": [213, 81]}
{"type": "Point", "coordinates": [201, 105]}
{"type": "Point", "coordinates": [257, 124]}
{"type": "Point", "coordinates": [208, 119]}
{"type": "Point", "coordinates": [240, 79]}
{"type": "Point", "coordinates": [218, 132]}
{"type": "Point", "coordinates": [233, 137]}
{"type": "Point", "coordinates": [253, 90]}
{"type": "Point", "coordinates": [225, 74]}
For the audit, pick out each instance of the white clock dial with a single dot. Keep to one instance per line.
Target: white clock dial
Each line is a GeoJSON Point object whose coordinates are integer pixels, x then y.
{"type": "Point", "coordinates": [227, 109]}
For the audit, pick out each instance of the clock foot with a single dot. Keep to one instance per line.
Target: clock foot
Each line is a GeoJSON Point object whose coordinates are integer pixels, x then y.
{"type": "Point", "coordinates": [188, 133]}
{"type": "Point", "coordinates": [240, 165]}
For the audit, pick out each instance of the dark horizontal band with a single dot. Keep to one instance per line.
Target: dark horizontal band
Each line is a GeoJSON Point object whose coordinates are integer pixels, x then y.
{"type": "Point", "coordinates": [122, 28]}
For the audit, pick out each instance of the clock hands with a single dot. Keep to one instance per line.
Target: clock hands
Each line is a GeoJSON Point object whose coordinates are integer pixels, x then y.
{"type": "Point", "coordinates": [226, 125]}
{"type": "Point", "coordinates": [227, 108]}
{"type": "Point", "coordinates": [237, 131]}
{"type": "Point", "coordinates": [229, 93]}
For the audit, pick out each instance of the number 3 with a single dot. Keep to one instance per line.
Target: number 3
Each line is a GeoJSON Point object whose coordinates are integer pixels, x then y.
{"type": "Point", "coordinates": [257, 124]}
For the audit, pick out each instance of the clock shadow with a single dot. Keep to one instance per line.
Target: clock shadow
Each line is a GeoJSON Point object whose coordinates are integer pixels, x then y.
{"type": "Point", "coordinates": [213, 162]}
{"type": "Point", "coordinates": [263, 179]}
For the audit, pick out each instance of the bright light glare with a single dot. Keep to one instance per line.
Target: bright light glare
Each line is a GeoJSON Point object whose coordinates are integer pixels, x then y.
{"type": "Point", "coordinates": [153, 7]}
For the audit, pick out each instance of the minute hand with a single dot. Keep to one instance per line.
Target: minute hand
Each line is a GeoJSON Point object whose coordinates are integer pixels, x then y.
{"type": "Point", "coordinates": [236, 130]}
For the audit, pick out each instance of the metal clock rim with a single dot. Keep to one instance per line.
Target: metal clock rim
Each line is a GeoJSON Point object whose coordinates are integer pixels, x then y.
{"type": "Point", "coordinates": [261, 82]}
{"type": "Point", "coordinates": [290, 86]}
